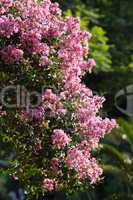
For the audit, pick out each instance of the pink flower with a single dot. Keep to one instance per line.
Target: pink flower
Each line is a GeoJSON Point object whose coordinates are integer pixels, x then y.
{"type": "Point", "coordinates": [54, 9]}
{"type": "Point", "coordinates": [83, 165]}
{"type": "Point", "coordinates": [96, 127]}
{"type": "Point", "coordinates": [2, 112]}
{"type": "Point", "coordinates": [90, 64]}
{"type": "Point", "coordinates": [34, 113]}
{"type": "Point", "coordinates": [44, 60]}
{"type": "Point", "coordinates": [5, 5]}
{"type": "Point", "coordinates": [54, 163]}
{"type": "Point", "coordinates": [72, 24]}
{"type": "Point", "coordinates": [60, 139]}
{"type": "Point", "coordinates": [11, 54]}
{"type": "Point", "coordinates": [48, 184]}
{"type": "Point", "coordinates": [61, 111]}
{"type": "Point", "coordinates": [25, 116]}
{"type": "Point", "coordinates": [37, 113]}
{"type": "Point", "coordinates": [48, 95]}
{"type": "Point", "coordinates": [31, 42]}
{"type": "Point", "coordinates": [8, 26]}
{"type": "Point", "coordinates": [73, 85]}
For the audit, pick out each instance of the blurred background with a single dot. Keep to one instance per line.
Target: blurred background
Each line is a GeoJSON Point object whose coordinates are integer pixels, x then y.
{"type": "Point", "coordinates": [111, 25]}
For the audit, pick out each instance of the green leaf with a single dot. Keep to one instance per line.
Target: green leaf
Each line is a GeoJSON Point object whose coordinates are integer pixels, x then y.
{"type": "Point", "coordinates": [114, 152]}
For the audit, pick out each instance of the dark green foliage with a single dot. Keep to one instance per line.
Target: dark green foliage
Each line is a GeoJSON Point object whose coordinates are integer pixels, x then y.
{"type": "Point", "coordinates": [117, 158]}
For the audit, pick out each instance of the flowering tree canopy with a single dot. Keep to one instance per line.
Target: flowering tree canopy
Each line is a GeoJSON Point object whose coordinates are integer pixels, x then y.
{"type": "Point", "coordinates": [53, 141]}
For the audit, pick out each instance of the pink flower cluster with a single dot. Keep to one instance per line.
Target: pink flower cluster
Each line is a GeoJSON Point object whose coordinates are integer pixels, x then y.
{"type": "Point", "coordinates": [37, 113]}
{"type": "Point", "coordinates": [5, 5]}
{"type": "Point", "coordinates": [8, 26]}
{"type": "Point", "coordinates": [48, 184]}
{"type": "Point", "coordinates": [36, 21]}
{"type": "Point", "coordinates": [31, 42]}
{"type": "Point", "coordinates": [11, 54]}
{"type": "Point", "coordinates": [60, 139]}
{"type": "Point", "coordinates": [85, 166]}
{"type": "Point", "coordinates": [53, 103]}
{"type": "Point", "coordinates": [95, 128]}
{"type": "Point", "coordinates": [91, 63]}
{"type": "Point", "coordinates": [73, 50]}
{"type": "Point", "coordinates": [54, 164]}
{"type": "Point", "coordinates": [91, 125]}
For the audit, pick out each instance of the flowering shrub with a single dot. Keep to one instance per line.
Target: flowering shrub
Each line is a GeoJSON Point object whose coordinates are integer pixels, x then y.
{"type": "Point", "coordinates": [53, 141]}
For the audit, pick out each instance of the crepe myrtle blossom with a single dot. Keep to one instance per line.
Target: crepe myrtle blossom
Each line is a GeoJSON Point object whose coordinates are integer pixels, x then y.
{"type": "Point", "coordinates": [49, 96]}
{"type": "Point", "coordinates": [9, 25]}
{"type": "Point", "coordinates": [5, 5]}
{"type": "Point", "coordinates": [48, 184]}
{"type": "Point", "coordinates": [60, 139]}
{"type": "Point", "coordinates": [85, 166]}
{"type": "Point", "coordinates": [90, 64]}
{"type": "Point", "coordinates": [10, 54]}
{"type": "Point", "coordinates": [34, 113]}
{"type": "Point", "coordinates": [97, 127]}
{"type": "Point", "coordinates": [40, 47]}
{"type": "Point", "coordinates": [54, 164]}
